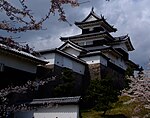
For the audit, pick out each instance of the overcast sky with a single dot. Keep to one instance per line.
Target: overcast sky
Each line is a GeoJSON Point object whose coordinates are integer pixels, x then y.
{"type": "Point", "coordinates": [130, 17]}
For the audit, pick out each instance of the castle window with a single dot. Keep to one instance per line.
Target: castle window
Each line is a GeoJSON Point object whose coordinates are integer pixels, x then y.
{"type": "Point", "coordinates": [91, 29]}
{"type": "Point", "coordinates": [85, 31]}
{"type": "Point", "coordinates": [81, 43]}
{"type": "Point", "coordinates": [89, 43]}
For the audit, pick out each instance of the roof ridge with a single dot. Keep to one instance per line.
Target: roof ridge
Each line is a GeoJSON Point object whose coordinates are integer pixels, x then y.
{"type": "Point", "coordinates": [58, 98]}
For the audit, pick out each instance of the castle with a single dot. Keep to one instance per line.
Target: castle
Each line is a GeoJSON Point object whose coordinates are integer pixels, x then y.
{"type": "Point", "coordinates": [93, 54]}
{"type": "Point", "coordinates": [94, 50]}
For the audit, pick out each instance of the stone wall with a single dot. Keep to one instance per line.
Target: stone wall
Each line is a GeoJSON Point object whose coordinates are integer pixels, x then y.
{"type": "Point", "coordinates": [99, 71]}
{"type": "Point", "coordinates": [117, 73]}
{"type": "Point", "coordinates": [94, 71]}
{"type": "Point", "coordinates": [56, 71]}
{"type": "Point", "coordinates": [78, 79]}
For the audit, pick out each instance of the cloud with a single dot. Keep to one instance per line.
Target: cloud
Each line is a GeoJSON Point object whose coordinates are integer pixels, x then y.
{"type": "Point", "coordinates": [131, 17]}
{"type": "Point", "coordinates": [128, 16]}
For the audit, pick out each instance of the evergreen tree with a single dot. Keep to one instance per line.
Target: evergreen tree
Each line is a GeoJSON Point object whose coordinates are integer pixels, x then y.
{"type": "Point", "coordinates": [101, 94]}
{"type": "Point", "coordinates": [66, 84]}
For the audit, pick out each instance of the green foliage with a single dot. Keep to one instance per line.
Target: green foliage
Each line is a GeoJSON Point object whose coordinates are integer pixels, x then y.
{"type": "Point", "coordinates": [129, 71]}
{"type": "Point", "coordinates": [66, 83]}
{"type": "Point", "coordinates": [120, 110]}
{"type": "Point", "coordinates": [127, 81]}
{"type": "Point", "coordinates": [101, 94]}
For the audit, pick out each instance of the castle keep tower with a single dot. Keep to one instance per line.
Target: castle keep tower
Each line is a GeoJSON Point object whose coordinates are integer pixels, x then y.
{"type": "Point", "coordinates": [104, 53]}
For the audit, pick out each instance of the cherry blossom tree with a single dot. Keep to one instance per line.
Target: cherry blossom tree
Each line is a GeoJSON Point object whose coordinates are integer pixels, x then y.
{"type": "Point", "coordinates": [139, 88]}
{"type": "Point", "coordinates": [23, 16]}
{"type": "Point", "coordinates": [20, 19]}
{"type": "Point", "coordinates": [5, 105]}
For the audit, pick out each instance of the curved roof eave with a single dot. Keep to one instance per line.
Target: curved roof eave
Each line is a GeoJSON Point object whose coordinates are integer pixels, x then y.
{"type": "Point", "coordinates": [74, 45]}
{"type": "Point", "coordinates": [92, 13]}
{"type": "Point", "coordinates": [86, 35]}
{"type": "Point", "coordinates": [130, 44]}
{"type": "Point", "coordinates": [23, 55]}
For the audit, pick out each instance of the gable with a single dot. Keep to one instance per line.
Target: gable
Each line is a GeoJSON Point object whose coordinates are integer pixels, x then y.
{"type": "Point", "coordinates": [71, 51]}
{"type": "Point", "coordinates": [91, 18]}
{"type": "Point", "coordinates": [115, 57]}
{"type": "Point", "coordinates": [124, 43]}
{"type": "Point", "coordinates": [96, 21]}
{"type": "Point", "coordinates": [129, 45]}
{"type": "Point", "coordinates": [71, 48]}
{"type": "Point", "coordinates": [122, 46]}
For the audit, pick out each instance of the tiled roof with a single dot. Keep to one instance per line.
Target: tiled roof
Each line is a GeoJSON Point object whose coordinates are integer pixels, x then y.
{"type": "Point", "coordinates": [98, 19]}
{"type": "Point", "coordinates": [99, 51]}
{"type": "Point", "coordinates": [20, 53]}
{"type": "Point", "coordinates": [121, 38]}
{"type": "Point", "coordinates": [60, 100]}
{"type": "Point", "coordinates": [73, 44]}
{"type": "Point", "coordinates": [56, 50]}
{"type": "Point", "coordinates": [125, 39]}
{"type": "Point", "coordinates": [97, 34]}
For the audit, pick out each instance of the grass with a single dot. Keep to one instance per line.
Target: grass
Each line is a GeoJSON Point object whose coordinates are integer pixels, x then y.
{"type": "Point", "coordinates": [120, 110]}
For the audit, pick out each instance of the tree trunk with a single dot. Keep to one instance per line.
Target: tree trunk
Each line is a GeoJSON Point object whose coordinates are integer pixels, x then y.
{"type": "Point", "coordinates": [104, 112]}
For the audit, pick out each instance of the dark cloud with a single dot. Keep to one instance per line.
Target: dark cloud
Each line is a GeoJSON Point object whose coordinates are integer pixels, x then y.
{"type": "Point", "coordinates": [128, 16]}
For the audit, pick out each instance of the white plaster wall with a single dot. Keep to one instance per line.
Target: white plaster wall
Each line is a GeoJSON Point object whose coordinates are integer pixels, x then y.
{"type": "Point", "coordinates": [72, 51]}
{"type": "Point", "coordinates": [59, 60]}
{"type": "Point", "coordinates": [95, 60]}
{"type": "Point", "coordinates": [121, 45]}
{"type": "Point", "coordinates": [122, 64]}
{"type": "Point", "coordinates": [68, 63]}
{"type": "Point", "coordinates": [103, 61]}
{"type": "Point", "coordinates": [91, 18]}
{"type": "Point", "coordinates": [92, 59]}
{"type": "Point", "coordinates": [60, 111]}
{"type": "Point", "coordinates": [79, 68]}
{"type": "Point", "coordinates": [117, 60]}
{"type": "Point", "coordinates": [50, 58]}
{"type": "Point", "coordinates": [62, 61]}
{"type": "Point", "coordinates": [86, 41]}
{"type": "Point", "coordinates": [18, 63]}
{"type": "Point", "coordinates": [95, 47]}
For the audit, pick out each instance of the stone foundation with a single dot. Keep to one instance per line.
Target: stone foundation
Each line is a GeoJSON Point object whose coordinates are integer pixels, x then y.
{"type": "Point", "coordinates": [94, 70]}
{"type": "Point", "coordinates": [56, 71]}
{"type": "Point", "coordinates": [99, 71]}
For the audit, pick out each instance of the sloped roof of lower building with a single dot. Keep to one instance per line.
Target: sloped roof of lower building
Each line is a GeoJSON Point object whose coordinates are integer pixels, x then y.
{"type": "Point", "coordinates": [59, 100]}
{"type": "Point", "coordinates": [133, 65]}
{"type": "Point", "coordinates": [100, 51]}
{"type": "Point", "coordinates": [21, 54]}
{"type": "Point", "coordinates": [73, 45]}
{"type": "Point", "coordinates": [126, 40]}
{"type": "Point", "coordinates": [56, 50]}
